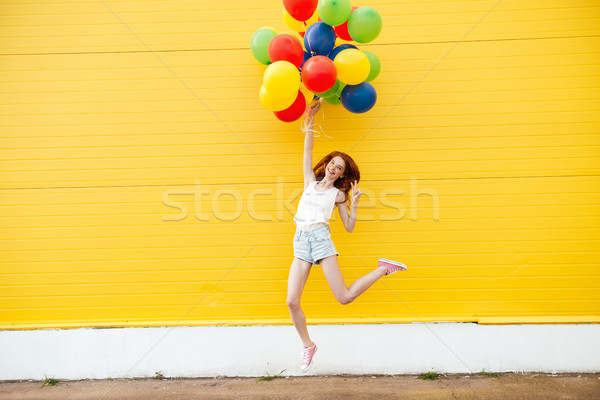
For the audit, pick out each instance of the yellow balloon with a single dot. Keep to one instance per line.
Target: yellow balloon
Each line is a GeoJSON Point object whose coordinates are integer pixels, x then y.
{"type": "Point", "coordinates": [352, 66]}
{"type": "Point", "coordinates": [296, 25]}
{"type": "Point", "coordinates": [275, 103]}
{"type": "Point", "coordinates": [282, 79]}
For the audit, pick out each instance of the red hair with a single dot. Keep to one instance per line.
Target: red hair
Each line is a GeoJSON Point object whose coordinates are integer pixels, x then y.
{"type": "Point", "coordinates": [351, 173]}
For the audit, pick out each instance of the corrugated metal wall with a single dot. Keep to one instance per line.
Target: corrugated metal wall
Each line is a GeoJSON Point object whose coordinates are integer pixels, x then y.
{"type": "Point", "coordinates": [480, 165]}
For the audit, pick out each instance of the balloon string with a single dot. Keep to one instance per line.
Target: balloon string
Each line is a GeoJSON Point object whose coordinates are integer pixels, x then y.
{"type": "Point", "coordinates": [304, 125]}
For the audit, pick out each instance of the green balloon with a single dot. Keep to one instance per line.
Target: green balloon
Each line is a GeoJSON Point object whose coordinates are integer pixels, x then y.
{"type": "Point", "coordinates": [334, 12]}
{"type": "Point", "coordinates": [375, 65]}
{"type": "Point", "coordinates": [259, 44]}
{"type": "Point", "coordinates": [364, 24]}
{"type": "Point", "coordinates": [331, 91]}
{"type": "Point", "coordinates": [339, 91]}
{"type": "Point", "coordinates": [333, 100]}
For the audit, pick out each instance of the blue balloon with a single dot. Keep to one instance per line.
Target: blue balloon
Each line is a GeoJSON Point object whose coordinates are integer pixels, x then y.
{"type": "Point", "coordinates": [359, 98]}
{"type": "Point", "coordinates": [337, 50]}
{"type": "Point", "coordinates": [319, 39]}
{"type": "Point", "coordinates": [306, 57]}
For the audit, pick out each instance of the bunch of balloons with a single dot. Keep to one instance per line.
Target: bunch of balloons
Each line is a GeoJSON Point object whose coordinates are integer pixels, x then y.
{"type": "Point", "coordinates": [339, 74]}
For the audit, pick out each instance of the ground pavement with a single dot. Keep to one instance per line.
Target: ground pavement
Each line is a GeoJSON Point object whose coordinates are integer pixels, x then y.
{"type": "Point", "coordinates": [507, 386]}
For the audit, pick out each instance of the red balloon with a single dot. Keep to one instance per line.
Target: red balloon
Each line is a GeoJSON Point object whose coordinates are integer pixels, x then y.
{"type": "Point", "coordinates": [342, 30]}
{"type": "Point", "coordinates": [301, 34]}
{"type": "Point", "coordinates": [293, 112]}
{"type": "Point", "coordinates": [319, 74]}
{"type": "Point", "coordinates": [300, 10]}
{"type": "Point", "coordinates": [287, 48]}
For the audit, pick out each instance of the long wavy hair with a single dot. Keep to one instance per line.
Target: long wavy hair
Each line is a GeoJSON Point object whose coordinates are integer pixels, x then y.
{"type": "Point", "coordinates": [351, 173]}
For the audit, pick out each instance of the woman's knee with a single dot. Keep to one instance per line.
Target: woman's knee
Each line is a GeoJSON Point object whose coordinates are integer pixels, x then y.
{"type": "Point", "coordinates": [344, 298]}
{"type": "Point", "coordinates": [293, 303]}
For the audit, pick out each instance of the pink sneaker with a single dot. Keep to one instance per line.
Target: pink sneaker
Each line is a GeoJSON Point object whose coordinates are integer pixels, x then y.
{"type": "Point", "coordinates": [392, 266]}
{"type": "Point", "coordinates": [307, 357]}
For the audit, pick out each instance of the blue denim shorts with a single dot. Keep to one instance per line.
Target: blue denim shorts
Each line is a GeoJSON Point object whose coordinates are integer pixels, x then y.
{"type": "Point", "coordinates": [314, 244]}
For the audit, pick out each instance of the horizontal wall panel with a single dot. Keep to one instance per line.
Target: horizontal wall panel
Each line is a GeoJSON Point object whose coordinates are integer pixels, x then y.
{"type": "Point", "coordinates": [529, 240]}
{"type": "Point", "coordinates": [246, 313]}
{"type": "Point", "coordinates": [133, 26]}
{"type": "Point", "coordinates": [537, 100]}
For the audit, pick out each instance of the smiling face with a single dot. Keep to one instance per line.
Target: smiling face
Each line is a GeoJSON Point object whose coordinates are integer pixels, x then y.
{"type": "Point", "coordinates": [335, 169]}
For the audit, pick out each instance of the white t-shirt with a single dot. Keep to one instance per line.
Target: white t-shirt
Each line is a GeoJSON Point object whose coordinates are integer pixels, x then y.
{"type": "Point", "coordinates": [315, 207]}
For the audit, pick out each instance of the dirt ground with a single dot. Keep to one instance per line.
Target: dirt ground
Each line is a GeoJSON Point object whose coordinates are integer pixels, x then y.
{"type": "Point", "coordinates": [506, 386]}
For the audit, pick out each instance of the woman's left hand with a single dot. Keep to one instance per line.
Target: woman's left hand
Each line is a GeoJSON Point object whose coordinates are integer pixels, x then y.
{"type": "Point", "coordinates": [311, 109]}
{"type": "Point", "coordinates": [356, 193]}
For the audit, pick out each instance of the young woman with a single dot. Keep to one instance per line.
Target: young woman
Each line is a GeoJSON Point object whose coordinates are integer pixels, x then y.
{"type": "Point", "coordinates": [326, 186]}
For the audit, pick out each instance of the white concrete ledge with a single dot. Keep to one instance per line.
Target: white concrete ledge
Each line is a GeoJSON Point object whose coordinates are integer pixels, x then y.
{"type": "Point", "coordinates": [210, 351]}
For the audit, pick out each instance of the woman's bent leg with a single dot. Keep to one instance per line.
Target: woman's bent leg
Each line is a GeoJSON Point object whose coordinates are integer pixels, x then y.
{"type": "Point", "coordinates": [335, 279]}
{"type": "Point", "coordinates": [297, 279]}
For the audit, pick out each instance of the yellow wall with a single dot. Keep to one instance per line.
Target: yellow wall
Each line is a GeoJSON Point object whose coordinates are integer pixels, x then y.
{"type": "Point", "coordinates": [111, 107]}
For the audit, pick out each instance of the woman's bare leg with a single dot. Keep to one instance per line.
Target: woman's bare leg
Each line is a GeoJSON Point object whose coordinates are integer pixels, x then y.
{"type": "Point", "coordinates": [297, 279]}
{"type": "Point", "coordinates": [342, 293]}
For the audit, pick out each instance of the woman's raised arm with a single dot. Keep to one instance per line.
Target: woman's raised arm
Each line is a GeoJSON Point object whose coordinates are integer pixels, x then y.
{"type": "Point", "coordinates": [311, 110]}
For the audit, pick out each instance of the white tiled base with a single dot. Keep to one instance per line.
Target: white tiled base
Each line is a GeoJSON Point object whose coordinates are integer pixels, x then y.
{"type": "Point", "coordinates": [259, 350]}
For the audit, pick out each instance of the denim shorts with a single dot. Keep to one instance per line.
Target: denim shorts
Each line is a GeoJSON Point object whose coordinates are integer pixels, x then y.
{"type": "Point", "coordinates": [314, 244]}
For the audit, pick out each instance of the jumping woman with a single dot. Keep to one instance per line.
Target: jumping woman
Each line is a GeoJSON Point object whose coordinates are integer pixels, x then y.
{"type": "Point", "coordinates": [326, 186]}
